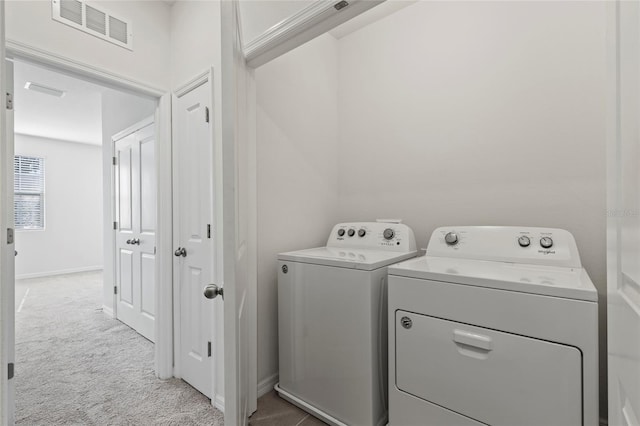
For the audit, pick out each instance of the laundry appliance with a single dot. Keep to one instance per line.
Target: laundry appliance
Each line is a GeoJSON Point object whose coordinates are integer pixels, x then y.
{"type": "Point", "coordinates": [332, 317]}
{"type": "Point", "coordinates": [495, 326]}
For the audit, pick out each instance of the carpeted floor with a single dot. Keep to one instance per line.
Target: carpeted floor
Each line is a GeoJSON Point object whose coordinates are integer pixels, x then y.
{"type": "Point", "coordinates": [77, 366]}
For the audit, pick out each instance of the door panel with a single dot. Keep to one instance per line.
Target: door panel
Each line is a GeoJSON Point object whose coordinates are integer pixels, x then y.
{"type": "Point", "coordinates": [193, 216]}
{"type": "Point", "coordinates": [135, 187]}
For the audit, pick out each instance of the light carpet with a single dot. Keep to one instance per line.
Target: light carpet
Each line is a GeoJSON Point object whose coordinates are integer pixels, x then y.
{"type": "Point", "coordinates": [77, 366]}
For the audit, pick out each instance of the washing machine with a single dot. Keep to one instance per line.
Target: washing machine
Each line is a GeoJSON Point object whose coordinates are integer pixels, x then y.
{"type": "Point", "coordinates": [332, 317]}
{"type": "Point", "coordinates": [494, 326]}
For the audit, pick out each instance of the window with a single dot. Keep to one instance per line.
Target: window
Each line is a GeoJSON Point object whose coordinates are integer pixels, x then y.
{"type": "Point", "coordinates": [28, 188]}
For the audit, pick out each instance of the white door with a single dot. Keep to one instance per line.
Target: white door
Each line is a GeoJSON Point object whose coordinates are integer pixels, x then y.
{"type": "Point", "coordinates": [135, 194]}
{"type": "Point", "coordinates": [623, 230]}
{"type": "Point", "coordinates": [7, 251]}
{"type": "Point", "coordinates": [236, 78]}
{"type": "Point", "coordinates": [193, 211]}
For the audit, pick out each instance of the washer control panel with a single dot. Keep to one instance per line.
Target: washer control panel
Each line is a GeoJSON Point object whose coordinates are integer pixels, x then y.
{"type": "Point", "coordinates": [540, 246]}
{"type": "Point", "coordinates": [395, 237]}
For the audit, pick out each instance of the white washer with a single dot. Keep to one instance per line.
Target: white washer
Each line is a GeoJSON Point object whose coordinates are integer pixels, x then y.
{"type": "Point", "coordinates": [333, 322]}
{"type": "Point", "coordinates": [495, 325]}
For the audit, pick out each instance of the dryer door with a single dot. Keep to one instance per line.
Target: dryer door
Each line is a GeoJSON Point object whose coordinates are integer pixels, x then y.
{"type": "Point", "coordinates": [494, 377]}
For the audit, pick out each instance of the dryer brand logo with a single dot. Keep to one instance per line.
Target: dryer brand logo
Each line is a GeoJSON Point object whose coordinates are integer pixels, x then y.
{"type": "Point", "coordinates": [545, 252]}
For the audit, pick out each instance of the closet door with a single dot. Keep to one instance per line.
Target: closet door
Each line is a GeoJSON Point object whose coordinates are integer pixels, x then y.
{"type": "Point", "coordinates": [135, 194]}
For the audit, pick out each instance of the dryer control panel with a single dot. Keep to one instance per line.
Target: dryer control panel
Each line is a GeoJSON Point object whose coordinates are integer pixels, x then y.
{"type": "Point", "coordinates": [537, 246]}
{"type": "Point", "coordinates": [395, 237]}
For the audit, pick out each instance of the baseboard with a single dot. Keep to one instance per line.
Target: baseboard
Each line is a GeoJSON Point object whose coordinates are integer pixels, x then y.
{"type": "Point", "coordinates": [218, 402]}
{"type": "Point", "coordinates": [265, 386]}
{"type": "Point", "coordinates": [108, 311]}
{"type": "Point", "coordinates": [59, 272]}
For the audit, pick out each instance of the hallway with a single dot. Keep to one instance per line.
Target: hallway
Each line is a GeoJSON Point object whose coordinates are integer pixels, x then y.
{"type": "Point", "coordinates": [75, 365]}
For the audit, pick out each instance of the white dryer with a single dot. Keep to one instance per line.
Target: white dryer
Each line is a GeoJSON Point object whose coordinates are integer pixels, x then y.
{"type": "Point", "coordinates": [495, 326]}
{"type": "Point", "coordinates": [332, 318]}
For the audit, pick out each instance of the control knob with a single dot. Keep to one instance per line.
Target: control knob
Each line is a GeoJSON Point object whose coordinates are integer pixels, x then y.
{"type": "Point", "coordinates": [388, 234]}
{"type": "Point", "coordinates": [362, 233]}
{"type": "Point", "coordinates": [524, 241]}
{"type": "Point", "coordinates": [546, 242]}
{"type": "Point", "coordinates": [451, 238]}
{"type": "Point", "coordinates": [340, 232]}
{"type": "Point", "coordinates": [351, 232]}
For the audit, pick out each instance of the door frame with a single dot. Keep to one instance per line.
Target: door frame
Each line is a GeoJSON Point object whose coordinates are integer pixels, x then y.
{"type": "Point", "coordinates": [114, 213]}
{"type": "Point", "coordinates": [217, 397]}
{"type": "Point", "coordinates": [163, 357]}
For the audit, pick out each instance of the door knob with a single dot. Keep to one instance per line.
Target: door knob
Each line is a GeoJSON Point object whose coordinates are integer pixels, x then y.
{"type": "Point", "coordinates": [135, 241]}
{"type": "Point", "coordinates": [212, 291]}
{"type": "Point", "coordinates": [128, 241]}
{"type": "Point", "coordinates": [181, 252]}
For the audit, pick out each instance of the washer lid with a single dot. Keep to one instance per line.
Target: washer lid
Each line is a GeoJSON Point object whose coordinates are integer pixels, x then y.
{"type": "Point", "coordinates": [366, 260]}
{"type": "Point", "coordinates": [570, 283]}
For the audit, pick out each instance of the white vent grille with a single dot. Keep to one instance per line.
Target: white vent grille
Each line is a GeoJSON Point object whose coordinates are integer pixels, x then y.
{"type": "Point", "coordinates": [96, 20]}
{"type": "Point", "coordinates": [93, 20]}
{"type": "Point", "coordinates": [71, 10]}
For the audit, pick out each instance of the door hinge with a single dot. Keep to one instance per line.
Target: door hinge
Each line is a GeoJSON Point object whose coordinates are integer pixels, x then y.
{"type": "Point", "coordinates": [9, 235]}
{"type": "Point", "coordinates": [9, 100]}
{"type": "Point", "coordinates": [115, 225]}
{"type": "Point", "coordinates": [208, 348]}
{"type": "Point", "coordinates": [115, 289]}
{"type": "Point", "coordinates": [114, 161]}
{"type": "Point", "coordinates": [208, 231]}
{"type": "Point", "coordinates": [10, 370]}
{"type": "Point", "coordinates": [206, 114]}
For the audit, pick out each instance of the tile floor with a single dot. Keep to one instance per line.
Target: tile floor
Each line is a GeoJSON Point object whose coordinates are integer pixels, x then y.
{"type": "Point", "coordinates": [275, 411]}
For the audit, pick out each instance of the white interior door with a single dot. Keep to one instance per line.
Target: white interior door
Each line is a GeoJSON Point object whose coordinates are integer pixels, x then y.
{"type": "Point", "coordinates": [7, 249]}
{"type": "Point", "coordinates": [236, 78]}
{"type": "Point", "coordinates": [623, 233]}
{"type": "Point", "coordinates": [193, 202]}
{"type": "Point", "coordinates": [135, 193]}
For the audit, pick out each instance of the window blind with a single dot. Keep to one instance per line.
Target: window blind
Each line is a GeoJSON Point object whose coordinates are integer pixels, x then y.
{"type": "Point", "coordinates": [28, 190]}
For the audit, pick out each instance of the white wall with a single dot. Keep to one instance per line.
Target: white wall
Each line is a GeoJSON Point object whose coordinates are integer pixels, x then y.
{"type": "Point", "coordinates": [479, 113]}
{"type": "Point", "coordinates": [72, 238]}
{"type": "Point", "coordinates": [29, 22]}
{"type": "Point", "coordinates": [473, 113]}
{"type": "Point", "coordinates": [297, 170]}
{"type": "Point", "coordinates": [119, 111]}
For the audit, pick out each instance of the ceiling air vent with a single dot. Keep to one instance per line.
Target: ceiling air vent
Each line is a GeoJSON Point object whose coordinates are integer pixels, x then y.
{"type": "Point", "coordinates": [93, 20]}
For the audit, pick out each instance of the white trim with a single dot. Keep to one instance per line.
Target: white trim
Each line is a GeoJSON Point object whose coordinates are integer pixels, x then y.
{"type": "Point", "coordinates": [164, 241]}
{"type": "Point", "coordinates": [310, 22]}
{"type": "Point", "coordinates": [108, 311]}
{"type": "Point", "coordinates": [252, 243]}
{"type": "Point", "coordinates": [33, 54]}
{"type": "Point", "coordinates": [310, 408]}
{"type": "Point", "coordinates": [194, 83]}
{"type": "Point", "coordinates": [218, 402]}
{"type": "Point", "coordinates": [59, 272]}
{"type": "Point", "coordinates": [267, 385]}
{"type": "Point", "coordinates": [133, 128]}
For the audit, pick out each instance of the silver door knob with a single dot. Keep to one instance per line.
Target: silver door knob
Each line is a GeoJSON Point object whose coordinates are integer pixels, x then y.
{"type": "Point", "coordinates": [212, 291]}
{"type": "Point", "coordinates": [180, 252]}
{"type": "Point", "coordinates": [135, 241]}
{"type": "Point", "coordinates": [128, 241]}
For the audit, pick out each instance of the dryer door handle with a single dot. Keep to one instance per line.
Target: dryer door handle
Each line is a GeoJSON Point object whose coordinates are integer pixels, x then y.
{"type": "Point", "coordinates": [475, 340]}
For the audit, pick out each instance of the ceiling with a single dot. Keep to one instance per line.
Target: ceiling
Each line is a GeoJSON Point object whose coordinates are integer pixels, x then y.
{"type": "Point", "coordinates": [76, 117]}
